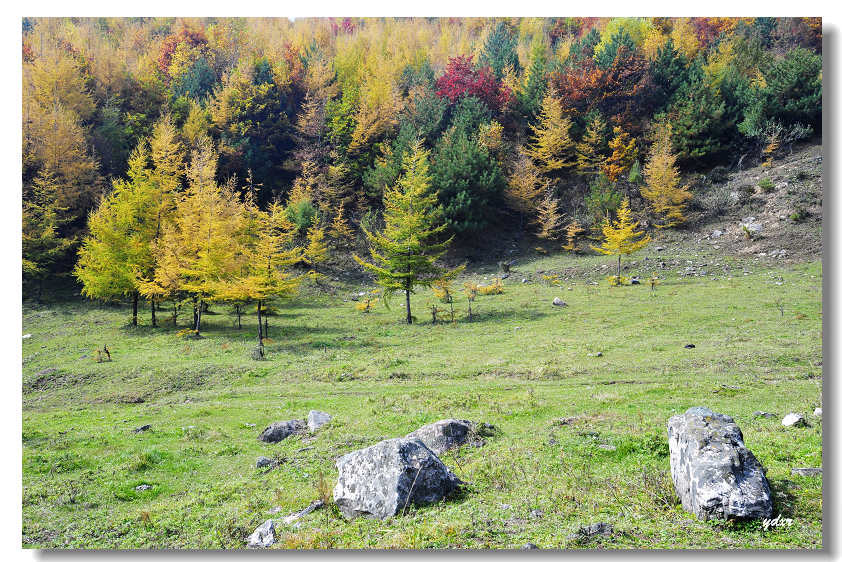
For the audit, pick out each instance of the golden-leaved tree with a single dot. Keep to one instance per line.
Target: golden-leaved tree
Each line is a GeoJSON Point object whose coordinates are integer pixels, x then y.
{"type": "Point", "coordinates": [661, 173]}
{"type": "Point", "coordinates": [552, 147]}
{"type": "Point", "coordinates": [589, 151]}
{"type": "Point", "coordinates": [525, 187]}
{"type": "Point", "coordinates": [265, 246]}
{"type": "Point", "coordinates": [621, 236]}
{"type": "Point", "coordinates": [623, 154]}
{"type": "Point", "coordinates": [198, 250]}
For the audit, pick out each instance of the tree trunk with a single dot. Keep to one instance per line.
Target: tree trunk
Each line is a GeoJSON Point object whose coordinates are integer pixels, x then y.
{"type": "Point", "coordinates": [152, 307]}
{"type": "Point", "coordinates": [408, 311]}
{"type": "Point", "coordinates": [174, 314]}
{"type": "Point", "coordinates": [135, 297]}
{"type": "Point", "coordinates": [619, 256]}
{"type": "Point", "coordinates": [195, 310]}
{"type": "Point", "coordinates": [259, 324]}
{"type": "Point", "coordinates": [198, 325]}
{"type": "Point", "coordinates": [470, 313]}
{"type": "Point", "coordinates": [239, 315]}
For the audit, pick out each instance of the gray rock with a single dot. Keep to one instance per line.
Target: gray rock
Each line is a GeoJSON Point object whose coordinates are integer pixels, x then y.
{"type": "Point", "coordinates": [817, 412]}
{"type": "Point", "coordinates": [263, 462]}
{"type": "Point", "coordinates": [597, 354]}
{"type": "Point", "coordinates": [793, 420]}
{"type": "Point", "coordinates": [591, 531]}
{"type": "Point", "coordinates": [761, 414]}
{"type": "Point", "coordinates": [263, 536]}
{"type": "Point", "coordinates": [504, 276]}
{"type": "Point", "coordinates": [558, 302]}
{"type": "Point", "coordinates": [142, 428]}
{"type": "Point", "coordinates": [382, 480]}
{"type": "Point", "coordinates": [715, 475]}
{"type": "Point", "coordinates": [806, 471]}
{"type": "Point", "coordinates": [307, 510]}
{"type": "Point", "coordinates": [279, 431]}
{"type": "Point", "coordinates": [606, 447]}
{"type": "Point", "coordinates": [143, 487]}
{"type": "Point", "coordinates": [716, 234]}
{"type": "Point", "coordinates": [635, 280]}
{"type": "Point", "coordinates": [536, 513]}
{"type": "Point", "coordinates": [529, 546]}
{"type": "Point", "coordinates": [443, 435]}
{"type": "Point", "coordinates": [524, 280]}
{"type": "Point", "coordinates": [316, 419]}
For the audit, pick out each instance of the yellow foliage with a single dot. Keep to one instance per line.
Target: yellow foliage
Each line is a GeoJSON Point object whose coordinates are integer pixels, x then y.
{"type": "Point", "coordinates": [552, 147]}
{"type": "Point", "coordinates": [684, 38]}
{"type": "Point", "coordinates": [495, 288]}
{"type": "Point", "coordinates": [549, 218]}
{"type": "Point", "coordinates": [525, 186]}
{"type": "Point", "coordinates": [621, 236]}
{"type": "Point", "coordinates": [623, 154]}
{"type": "Point", "coordinates": [589, 158]}
{"type": "Point", "coordinates": [661, 173]}
{"type": "Point", "coordinates": [552, 280]}
{"type": "Point", "coordinates": [339, 228]}
{"type": "Point", "coordinates": [572, 230]}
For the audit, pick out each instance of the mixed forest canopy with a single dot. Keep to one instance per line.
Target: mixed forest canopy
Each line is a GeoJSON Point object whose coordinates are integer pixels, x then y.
{"type": "Point", "coordinates": [276, 139]}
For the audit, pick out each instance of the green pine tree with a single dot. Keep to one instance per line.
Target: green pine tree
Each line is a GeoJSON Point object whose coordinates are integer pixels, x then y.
{"type": "Point", "coordinates": [404, 255]}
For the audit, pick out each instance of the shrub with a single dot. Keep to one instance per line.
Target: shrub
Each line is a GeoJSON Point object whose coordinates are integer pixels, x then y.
{"type": "Point", "coordinates": [766, 185]}
{"type": "Point", "coordinates": [302, 214]}
{"type": "Point", "coordinates": [495, 288]}
{"type": "Point", "coordinates": [800, 215]}
{"type": "Point", "coordinates": [618, 280]}
{"type": "Point", "coordinates": [744, 193]}
{"type": "Point", "coordinates": [718, 175]}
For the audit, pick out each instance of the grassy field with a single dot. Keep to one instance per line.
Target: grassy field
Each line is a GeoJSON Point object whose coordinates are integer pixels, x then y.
{"type": "Point", "coordinates": [580, 439]}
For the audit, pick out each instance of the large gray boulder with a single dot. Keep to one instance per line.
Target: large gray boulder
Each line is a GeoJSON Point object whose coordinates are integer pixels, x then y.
{"type": "Point", "coordinates": [443, 435]}
{"type": "Point", "coordinates": [381, 480]}
{"type": "Point", "coordinates": [279, 431]}
{"type": "Point", "coordinates": [714, 474]}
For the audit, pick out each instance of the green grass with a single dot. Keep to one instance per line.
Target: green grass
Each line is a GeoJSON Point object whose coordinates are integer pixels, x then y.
{"type": "Point", "coordinates": [522, 365]}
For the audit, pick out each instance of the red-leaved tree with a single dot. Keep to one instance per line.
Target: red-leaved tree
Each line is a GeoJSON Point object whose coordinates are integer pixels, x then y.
{"type": "Point", "coordinates": [461, 78]}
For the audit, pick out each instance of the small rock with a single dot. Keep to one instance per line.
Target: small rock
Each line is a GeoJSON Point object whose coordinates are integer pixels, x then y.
{"type": "Point", "coordinates": [26, 336]}
{"type": "Point", "coordinates": [689, 346]}
{"type": "Point", "coordinates": [716, 234]}
{"type": "Point", "coordinates": [143, 487]}
{"type": "Point", "coordinates": [793, 420]}
{"type": "Point", "coordinates": [279, 431]}
{"type": "Point", "coordinates": [316, 419]}
{"type": "Point", "coordinates": [536, 513]}
{"type": "Point", "coordinates": [250, 424]}
{"type": "Point", "coordinates": [504, 276]}
{"type": "Point", "coordinates": [505, 506]}
{"type": "Point", "coordinates": [806, 471]}
{"type": "Point", "coordinates": [817, 412]}
{"type": "Point", "coordinates": [606, 447]}
{"type": "Point", "coordinates": [558, 302]}
{"type": "Point", "coordinates": [597, 354]}
{"type": "Point", "coordinates": [276, 509]}
{"type": "Point", "coordinates": [635, 280]}
{"type": "Point", "coordinates": [263, 536]}
{"type": "Point", "coordinates": [263, 462]}
{"type": "Point", "coordinates": [659, 248]}
{"type": "Point", "coordinates": [591, 531]}
{"type": "Point", "coordinates": [142, 428]}
{"type": "Point", "coordinates": [443, 435]}
{"type": "Point", "coordinates": [524, 280]}
{"type": "Point", "coordinates": [529, 546]}
{"type": "Point", "coordinates": [760, 414]}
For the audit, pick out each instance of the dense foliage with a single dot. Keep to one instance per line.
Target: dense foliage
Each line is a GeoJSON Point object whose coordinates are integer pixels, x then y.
{"type": "Point", "coordinates": [316, 117]}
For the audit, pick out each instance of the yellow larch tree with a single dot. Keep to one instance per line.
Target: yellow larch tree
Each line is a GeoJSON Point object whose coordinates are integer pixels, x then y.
{"type": "Point", "coordinates": [623, 154]}
{"type": "Point", "coordinates": [524, 187]}
{"type": "Point", "coordinates": [549, 217]}
{"type": "Point", "coordinates": [552, 147]}
{"type": "Point", "coordinates": [621, 235]}
{"type": "Point", "coordinates": [589, 152]}
{"type": "Point", "coordinates": [572, 231]}
{"type": "Point", "coordinates": [661, 173]}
